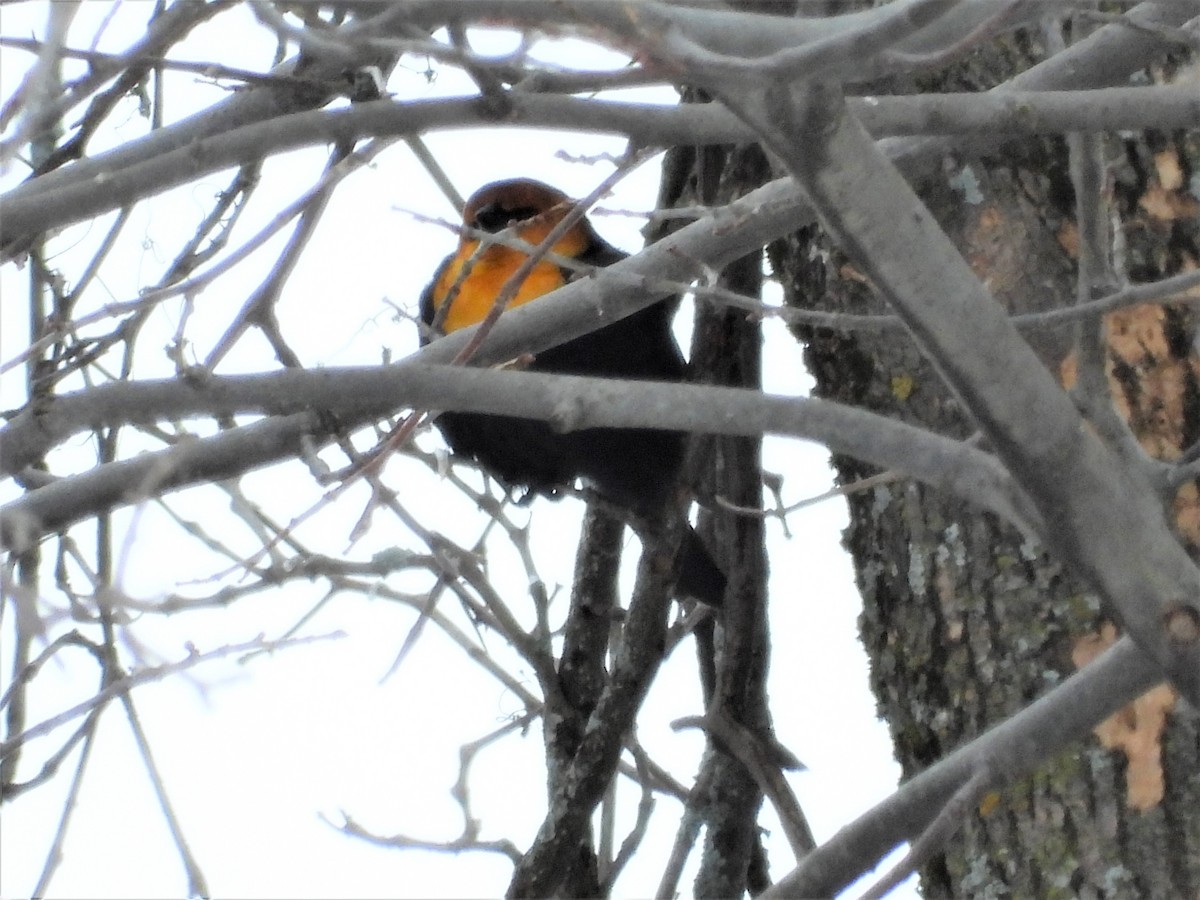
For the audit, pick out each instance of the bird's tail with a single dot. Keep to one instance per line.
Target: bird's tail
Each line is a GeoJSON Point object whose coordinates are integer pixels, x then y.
{"type": "Point", "coordinates": [700, 578]}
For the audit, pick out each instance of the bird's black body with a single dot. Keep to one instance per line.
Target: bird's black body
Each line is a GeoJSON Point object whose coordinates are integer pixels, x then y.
{"type": "Point", "coordinates": [633, 468]}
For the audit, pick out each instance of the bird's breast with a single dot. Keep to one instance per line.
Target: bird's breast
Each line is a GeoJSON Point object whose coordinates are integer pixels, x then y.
{"type": "Point", "coordinates": [474, 293]}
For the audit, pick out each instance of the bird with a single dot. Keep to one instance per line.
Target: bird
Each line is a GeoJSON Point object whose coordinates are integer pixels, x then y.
{"type": "Point", "coordinates": [634, 469]}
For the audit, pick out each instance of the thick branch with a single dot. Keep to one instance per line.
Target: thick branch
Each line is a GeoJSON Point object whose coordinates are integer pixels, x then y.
{"type": "Point", "coordinates": [1015, 746]}
{"type": "Point", "coordinates": [65, 501]}
{"type": "Point", "coordinates": [41, 204]}
{"type": "Point", "coordinates": [635, 663]}
{"type": "Point", "coordinates": [358, 396]}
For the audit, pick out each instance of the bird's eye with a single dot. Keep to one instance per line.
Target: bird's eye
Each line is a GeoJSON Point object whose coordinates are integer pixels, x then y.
{"type": "Point", "coordinates": [495, 217]}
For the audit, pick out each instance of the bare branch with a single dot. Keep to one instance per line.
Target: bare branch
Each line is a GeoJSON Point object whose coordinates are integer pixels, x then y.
{"type": "Point", "coordinates": [358, 396]}
{"type": "Point", "coordinates": [151, 165]}
{"type": "Point", "coordinates": [933, 838]}
{"type": "Point", "coordinates": [636, 660]}
{"type": "Point", "coordinates": [1013, 747]}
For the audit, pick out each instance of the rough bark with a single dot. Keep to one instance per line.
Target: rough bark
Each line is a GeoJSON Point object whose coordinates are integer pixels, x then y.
{"type": "Point", "coordinates": [581, 672]}
{"type": "Point", "coordinates": [964, 620]}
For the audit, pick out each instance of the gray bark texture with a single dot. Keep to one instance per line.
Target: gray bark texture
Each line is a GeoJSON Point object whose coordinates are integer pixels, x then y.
{"type": "Point", "coordinates": [966, 621]}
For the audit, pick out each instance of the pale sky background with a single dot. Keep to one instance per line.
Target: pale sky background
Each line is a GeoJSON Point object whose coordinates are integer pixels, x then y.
{"type": "Point", "coordinates": [254, 755]}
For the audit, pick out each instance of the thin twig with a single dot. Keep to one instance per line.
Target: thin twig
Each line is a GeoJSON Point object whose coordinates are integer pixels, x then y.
{"type": "Point", "coordinates": [763, 762]}
{"type": "Point", "coordinates": [212, 70]}
{"type": "Point", "coordinates": [146, 676]}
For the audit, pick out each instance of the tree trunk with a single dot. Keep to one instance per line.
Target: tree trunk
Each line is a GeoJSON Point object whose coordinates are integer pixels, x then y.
{"type": "Point", "coordinates": [965, 621]}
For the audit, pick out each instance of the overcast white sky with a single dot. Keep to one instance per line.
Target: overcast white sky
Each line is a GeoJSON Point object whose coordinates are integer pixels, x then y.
{"type": "Point", "coordinates": [254, 755]}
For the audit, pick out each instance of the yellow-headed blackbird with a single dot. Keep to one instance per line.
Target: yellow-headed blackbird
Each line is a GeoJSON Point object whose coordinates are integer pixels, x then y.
{"type": "Point", "coordinates": [631, 467]}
